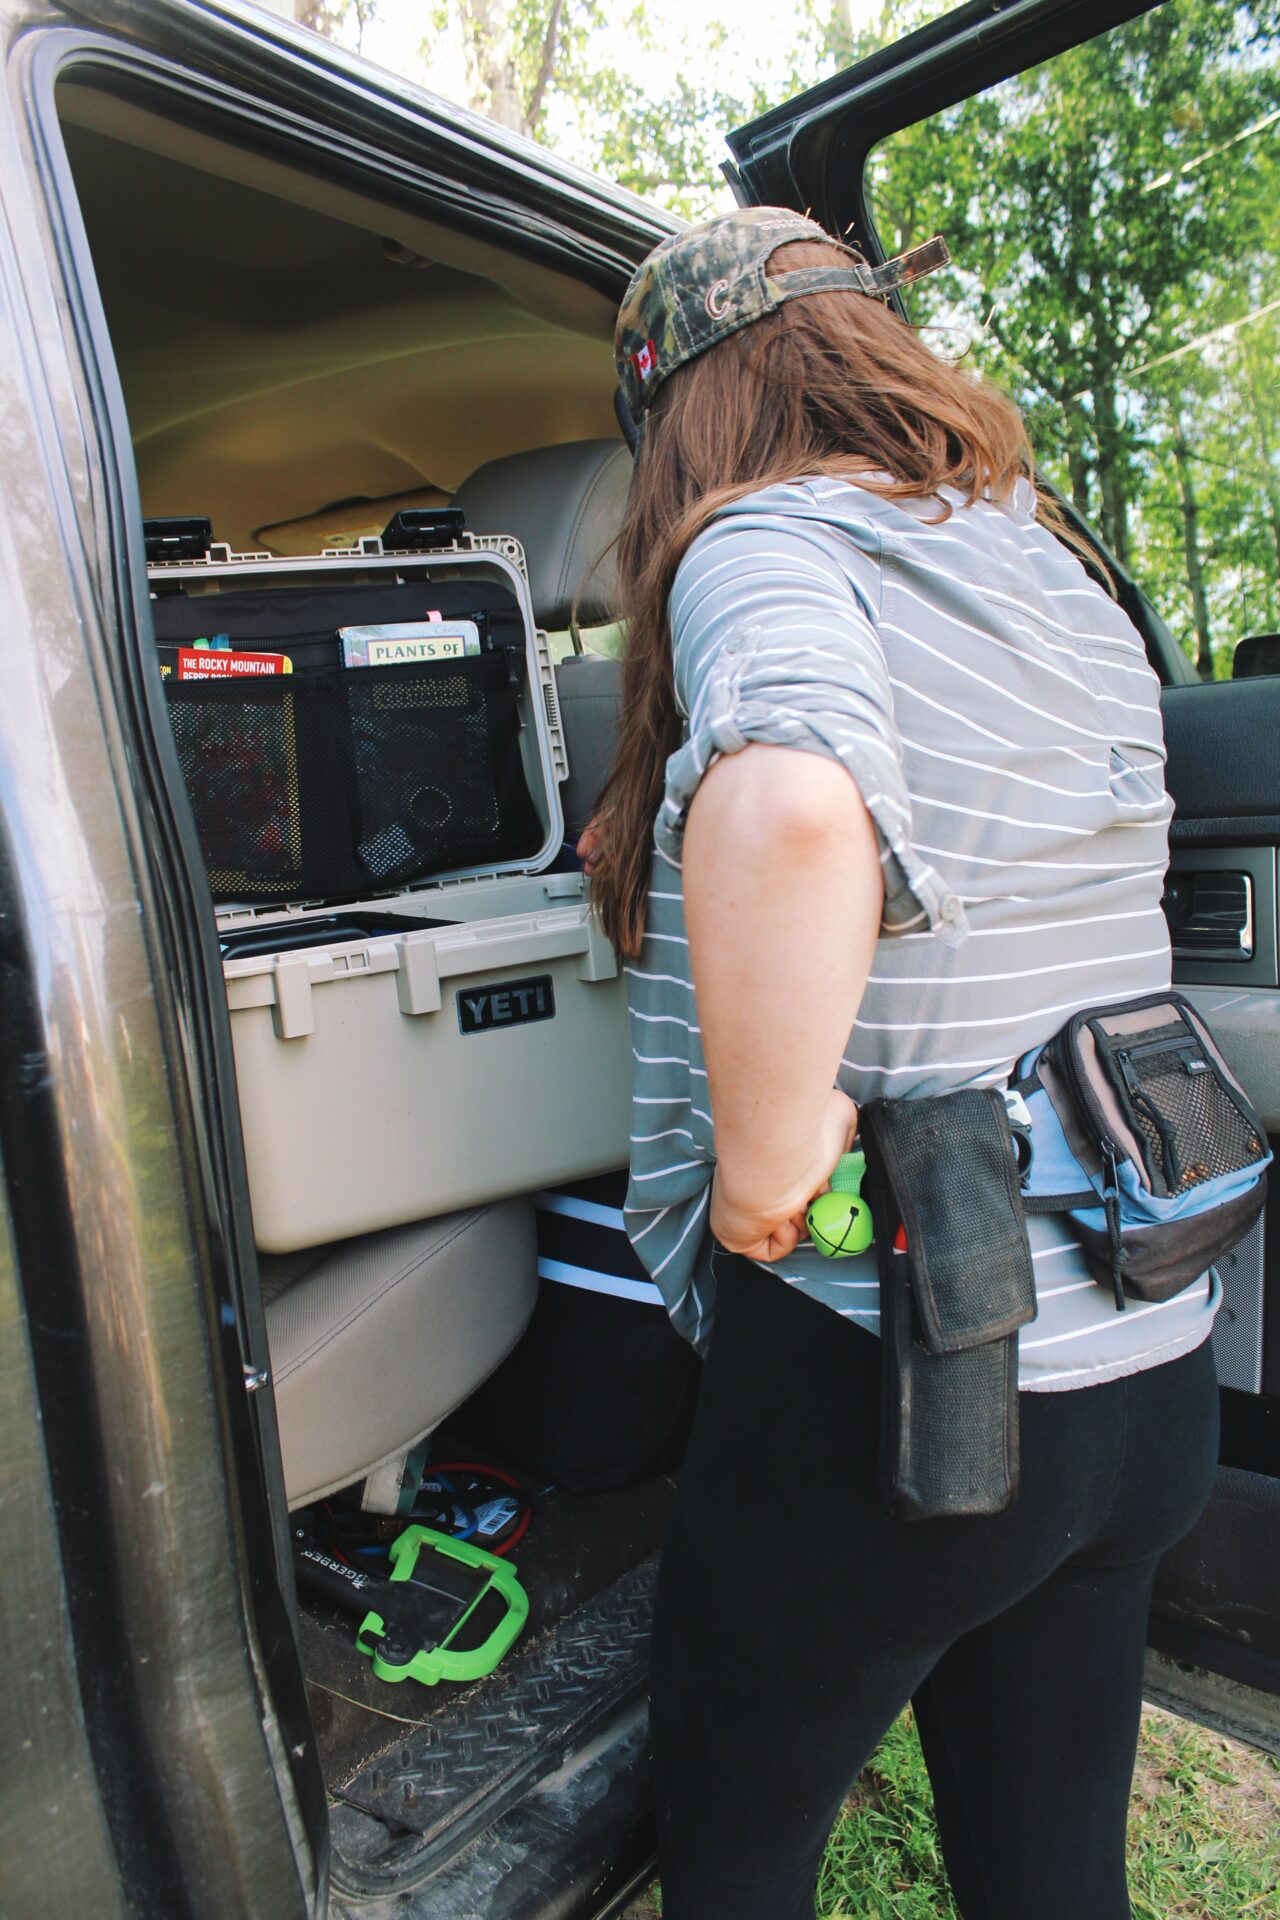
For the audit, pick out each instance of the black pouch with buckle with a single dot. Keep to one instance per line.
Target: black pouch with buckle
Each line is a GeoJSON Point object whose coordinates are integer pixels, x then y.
{"type": "Point", "coordinates": [956, 1283]}
{"type": "Point", "coordinates": [1145, 1142]}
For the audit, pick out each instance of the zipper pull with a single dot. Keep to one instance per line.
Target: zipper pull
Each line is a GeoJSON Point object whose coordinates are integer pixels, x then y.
{"type": "Point", "coordinates": [1111, 1207]}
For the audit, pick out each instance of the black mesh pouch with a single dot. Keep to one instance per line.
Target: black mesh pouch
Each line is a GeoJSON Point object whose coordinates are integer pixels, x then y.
{"type": "Point", "coordinates": [436, 775]}
{"type": "Point", "coordinates": [330, 786]}
{"type": "Point", "coordinates": [956, 1283]}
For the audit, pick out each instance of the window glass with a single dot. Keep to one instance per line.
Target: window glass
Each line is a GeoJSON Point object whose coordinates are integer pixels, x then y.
{"type": "Point", "coordinates": [1114, 217]}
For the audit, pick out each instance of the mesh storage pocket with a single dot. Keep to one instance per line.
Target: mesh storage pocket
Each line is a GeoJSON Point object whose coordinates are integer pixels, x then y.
{"type": "Point", "coordinates": [1194, 1129]}
{"type": "Point", "coordinates": [330, 785]}
{"type": "Point", "coordinates": [242, 759]}
{"type": "Point", "coordinates": [437, 779]}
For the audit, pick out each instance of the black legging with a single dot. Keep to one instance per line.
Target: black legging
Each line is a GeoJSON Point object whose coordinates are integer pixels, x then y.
{"type": "Point", "coordinates": [795, 1619]}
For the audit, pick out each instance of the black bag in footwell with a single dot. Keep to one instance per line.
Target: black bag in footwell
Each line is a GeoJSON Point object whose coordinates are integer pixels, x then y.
{"type": "Point", "coordinates": [600, 1391]}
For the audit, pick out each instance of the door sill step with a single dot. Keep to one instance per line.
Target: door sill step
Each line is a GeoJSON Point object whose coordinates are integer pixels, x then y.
{"type": "Point", "coordinates": [427, 1796]}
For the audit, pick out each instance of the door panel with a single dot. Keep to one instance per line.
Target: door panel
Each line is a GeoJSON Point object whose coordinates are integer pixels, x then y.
{"type": "Point", "coordinates": [1223, 774]}
{"type": "Point", "coordinates": [1217, 1598]}
{"type": "Point", "coordinates": [1224, 762]}
{"type": "Point", "coordinates": [1108, 177]}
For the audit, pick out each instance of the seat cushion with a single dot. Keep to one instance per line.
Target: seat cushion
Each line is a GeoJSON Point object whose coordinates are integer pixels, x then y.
{"type": "Point", "coordinates": [374, 1340]}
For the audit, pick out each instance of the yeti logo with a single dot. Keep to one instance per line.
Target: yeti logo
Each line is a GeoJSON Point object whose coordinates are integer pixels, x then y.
{"type": "Point", "coordinates": [511, 1003]}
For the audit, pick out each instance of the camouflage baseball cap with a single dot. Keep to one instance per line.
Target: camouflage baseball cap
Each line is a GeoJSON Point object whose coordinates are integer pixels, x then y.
{"type": "Point", "coordinates": [707, 282]}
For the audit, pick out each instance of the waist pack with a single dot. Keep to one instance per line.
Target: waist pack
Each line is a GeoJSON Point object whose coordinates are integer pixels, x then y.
{"type": "Point", "coordinates": [1129, 1123]}
{"type": "Point", "coordinates": [1141, 1136]}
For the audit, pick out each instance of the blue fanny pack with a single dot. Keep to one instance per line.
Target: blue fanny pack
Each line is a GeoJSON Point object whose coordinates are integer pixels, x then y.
{"type": "Point", "coordinates": [1138, 1133]}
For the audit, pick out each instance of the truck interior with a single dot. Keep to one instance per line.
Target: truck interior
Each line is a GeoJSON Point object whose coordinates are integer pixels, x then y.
{"type": "Point", "coordinates": [300, 364]}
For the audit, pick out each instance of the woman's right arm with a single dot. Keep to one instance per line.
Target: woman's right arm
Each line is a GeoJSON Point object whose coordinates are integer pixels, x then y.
{"type": "Point", "coordinates": [783, 892]}
{"type": "Point", "coordinates": [791, 753]}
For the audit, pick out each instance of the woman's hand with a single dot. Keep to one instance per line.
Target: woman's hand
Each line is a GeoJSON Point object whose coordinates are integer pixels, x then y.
{"type": "Point", "coordinates": [770, 1233]}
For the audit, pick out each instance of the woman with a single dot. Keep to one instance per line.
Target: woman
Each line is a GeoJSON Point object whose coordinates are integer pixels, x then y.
{"type": "Point", "coordinates": [888, 807]}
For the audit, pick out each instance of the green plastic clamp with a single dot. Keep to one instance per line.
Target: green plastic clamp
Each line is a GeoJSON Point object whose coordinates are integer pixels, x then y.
{"type": "Point", "coordinates": [432, 1664]}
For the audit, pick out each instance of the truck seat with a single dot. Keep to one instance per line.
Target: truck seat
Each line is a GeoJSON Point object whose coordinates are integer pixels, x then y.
{"type": "Point", "coordinates": [564, 505]}
{"type": "Point", "coordinates": [374, 1340]}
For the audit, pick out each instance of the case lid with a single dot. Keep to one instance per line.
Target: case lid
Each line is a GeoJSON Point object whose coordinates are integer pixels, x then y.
{"type": "Point", "coordinates": [496, 559]}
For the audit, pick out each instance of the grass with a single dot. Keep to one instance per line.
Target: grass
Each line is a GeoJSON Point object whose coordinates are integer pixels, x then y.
{"type": "Point", "coordinates": [1204, 1834]}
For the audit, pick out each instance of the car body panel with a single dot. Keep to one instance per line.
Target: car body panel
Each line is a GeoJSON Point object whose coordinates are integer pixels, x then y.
{"type": "Point", "coordinates": [49, 1758]}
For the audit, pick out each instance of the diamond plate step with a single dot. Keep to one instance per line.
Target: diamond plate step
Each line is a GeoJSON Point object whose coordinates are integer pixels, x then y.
{"type": "Point", "coordinates": [470, 1762]}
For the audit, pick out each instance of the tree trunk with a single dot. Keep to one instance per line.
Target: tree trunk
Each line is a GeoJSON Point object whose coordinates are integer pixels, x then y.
{"type": "Point", "coordinates": [486, 31]}
{"type": "Point", "coordinates": [1191, 548]}
{"type": "Point", "coordinates": [1077, 457]}
{"type": "Point", "coordinates": [546, 70]}
{"type": "Point", "coordinates": [1267, 455]}
{"type": "Point", "coordinates": [1115, 507]}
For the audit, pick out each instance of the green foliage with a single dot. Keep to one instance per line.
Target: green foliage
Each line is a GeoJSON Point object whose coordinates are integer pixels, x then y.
{"type": "Point", "coordinates": [670, 148]}
{"type": "Point", "coordinates": [1204, 1833]}
{"type": "Point", "coordinates": [838, 43]}
{"type": "Point", "coordinates": [539, 66]}
{"type": "Point", "coordinates": [883, 1857]}
{"type": "Point", "coordinates": [1113, 218]}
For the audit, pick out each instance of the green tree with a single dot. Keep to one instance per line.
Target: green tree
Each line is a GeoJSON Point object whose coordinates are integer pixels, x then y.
{"type": "Point", "coordinates": [518, 53]}
{"type": "Point", "coordinates": [1111, 213]}
{"type": "Point", "coordinates": [539, 65]}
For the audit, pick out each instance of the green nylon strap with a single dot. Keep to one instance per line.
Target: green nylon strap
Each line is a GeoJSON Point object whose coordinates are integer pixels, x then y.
{"type": "Point", "coordinates": [846, 1175]}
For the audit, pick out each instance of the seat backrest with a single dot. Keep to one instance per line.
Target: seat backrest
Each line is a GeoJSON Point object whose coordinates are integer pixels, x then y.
{"type": "Point", "coordinates": [589, 686]}
{"type": "Point", "coordinates": [564, 505]}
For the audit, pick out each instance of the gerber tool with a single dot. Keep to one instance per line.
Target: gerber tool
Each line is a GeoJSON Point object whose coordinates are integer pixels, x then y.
{"type": "Point", "coordinates": [448, 1612]}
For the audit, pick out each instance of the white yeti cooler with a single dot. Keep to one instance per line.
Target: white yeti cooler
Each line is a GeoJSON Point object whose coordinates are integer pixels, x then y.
{"type": "Point", "coordinates": [408, 1050]}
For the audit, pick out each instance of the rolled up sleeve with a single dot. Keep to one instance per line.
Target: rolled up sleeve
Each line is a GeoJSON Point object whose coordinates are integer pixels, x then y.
{"type": "Point", "coordinates": [775, 642]}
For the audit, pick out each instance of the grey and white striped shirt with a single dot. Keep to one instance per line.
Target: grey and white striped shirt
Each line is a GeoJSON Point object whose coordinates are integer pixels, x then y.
{"type": "Point", "coordinates": [998, 714]}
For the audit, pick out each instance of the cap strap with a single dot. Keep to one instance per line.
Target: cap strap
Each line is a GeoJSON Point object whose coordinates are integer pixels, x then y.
{"type": "Point", "coordinates": [862, 278]}
{"type": "Point", "coordinates": [911, 265]}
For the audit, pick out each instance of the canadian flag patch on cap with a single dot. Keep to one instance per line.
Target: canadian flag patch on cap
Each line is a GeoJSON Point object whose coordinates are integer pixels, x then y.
{"type": "Point", "coordinates": [645, 359]}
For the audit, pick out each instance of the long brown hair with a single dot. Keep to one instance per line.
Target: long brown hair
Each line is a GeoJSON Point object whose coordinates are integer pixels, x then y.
{"type": "Point", "coordinates": [834, 383]}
